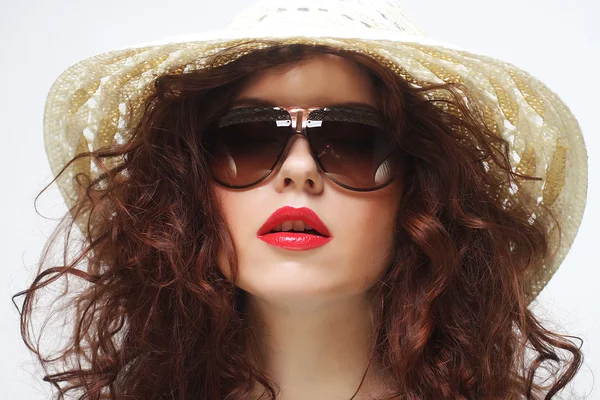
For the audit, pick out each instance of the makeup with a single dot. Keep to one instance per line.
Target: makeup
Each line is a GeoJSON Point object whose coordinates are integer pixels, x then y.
{"type": "Point", "coordinates": [294, 229]}
{"type": "Point", "coordinates": [295, 240]}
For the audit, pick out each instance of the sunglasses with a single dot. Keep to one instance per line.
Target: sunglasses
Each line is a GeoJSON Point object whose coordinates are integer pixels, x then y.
{"type": "Point", "coordinates": [349, 145]}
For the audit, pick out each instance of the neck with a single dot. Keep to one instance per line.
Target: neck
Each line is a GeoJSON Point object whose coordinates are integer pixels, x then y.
{"type": "Point", "coordinates": [316, 349]}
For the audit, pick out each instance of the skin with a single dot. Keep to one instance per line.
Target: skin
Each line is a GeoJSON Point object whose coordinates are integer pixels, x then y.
{"type": "Point", "coordinates": [311, 309]}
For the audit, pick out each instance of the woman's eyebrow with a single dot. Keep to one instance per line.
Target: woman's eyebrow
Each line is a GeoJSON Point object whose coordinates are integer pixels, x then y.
{"type": "Point", "coordinates": [254, 101]}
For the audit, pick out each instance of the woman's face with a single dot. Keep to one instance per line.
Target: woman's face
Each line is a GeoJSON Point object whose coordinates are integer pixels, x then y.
{"type": "Point", "coordinates": [361, 224]}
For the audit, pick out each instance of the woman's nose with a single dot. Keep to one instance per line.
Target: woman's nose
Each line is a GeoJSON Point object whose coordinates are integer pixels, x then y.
{"type": "Point", "coordinates": [298, 168]}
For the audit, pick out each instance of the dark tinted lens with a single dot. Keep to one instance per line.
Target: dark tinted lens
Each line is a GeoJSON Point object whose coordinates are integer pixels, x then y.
{"type": "Point", "coordinates": [246, 152]}
{"type": "Point", "coordinates": [354, 154]}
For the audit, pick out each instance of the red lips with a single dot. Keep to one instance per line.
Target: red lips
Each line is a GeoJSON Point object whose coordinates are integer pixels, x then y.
{"type": "Point", "coordinates": [288, 213]}
{"type": "Point", "coordinates": [294, 240]}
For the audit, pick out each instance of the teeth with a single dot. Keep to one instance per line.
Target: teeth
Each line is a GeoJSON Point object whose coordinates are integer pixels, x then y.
{"type": "Point", "coordinates": [295, 225]}
{"type": "Point", "coordinates": [298, 225]}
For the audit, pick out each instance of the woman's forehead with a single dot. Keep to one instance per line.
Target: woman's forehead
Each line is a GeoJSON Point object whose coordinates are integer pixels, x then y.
{"type": "Point", "coordinates": [318, 82]}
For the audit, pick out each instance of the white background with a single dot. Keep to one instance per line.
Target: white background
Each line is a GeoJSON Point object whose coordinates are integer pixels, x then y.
{"type": "Point", "coordinates": [556, 40]}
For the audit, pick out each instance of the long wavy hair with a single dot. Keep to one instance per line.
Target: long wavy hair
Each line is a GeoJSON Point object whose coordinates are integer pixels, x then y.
{"type": "Point", "coordinates": [156, 319]}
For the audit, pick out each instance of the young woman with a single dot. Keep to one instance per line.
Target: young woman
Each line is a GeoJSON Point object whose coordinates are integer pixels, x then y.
{"type": "Point", "coordinates": [309, 218]}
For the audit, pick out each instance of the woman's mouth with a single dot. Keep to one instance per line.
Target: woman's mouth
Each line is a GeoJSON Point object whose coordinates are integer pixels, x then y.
{"type": "Point", "coordinates": [294, 229]}
{"type": "Point", "coordinates": [292, 240]}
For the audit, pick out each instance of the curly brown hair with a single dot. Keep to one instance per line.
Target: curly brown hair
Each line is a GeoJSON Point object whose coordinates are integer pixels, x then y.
{"type": "Point", "coordinates": [156, 319]}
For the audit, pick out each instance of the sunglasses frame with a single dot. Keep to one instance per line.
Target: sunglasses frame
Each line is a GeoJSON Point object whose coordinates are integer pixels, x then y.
{"type": "Point", "coordinates": [300, 117]}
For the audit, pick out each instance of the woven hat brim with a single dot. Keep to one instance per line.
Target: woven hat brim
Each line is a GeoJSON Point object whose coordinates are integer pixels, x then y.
{"type": "Point", "coordinates": [86, 108]}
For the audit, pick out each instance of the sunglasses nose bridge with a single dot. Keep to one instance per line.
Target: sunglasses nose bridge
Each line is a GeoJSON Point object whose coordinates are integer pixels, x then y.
{"type": "Point", "coordinates": [299, 116]}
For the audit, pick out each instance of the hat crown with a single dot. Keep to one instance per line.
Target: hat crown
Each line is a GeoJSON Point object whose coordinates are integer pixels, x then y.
{"type": "Point", "coordinates": [385, 16]}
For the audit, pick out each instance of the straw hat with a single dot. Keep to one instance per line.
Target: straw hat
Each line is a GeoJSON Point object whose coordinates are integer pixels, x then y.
{"type": "Point", "coordinates": [88, 104]}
